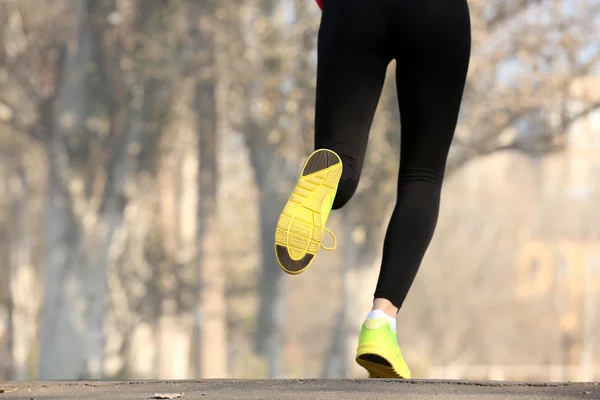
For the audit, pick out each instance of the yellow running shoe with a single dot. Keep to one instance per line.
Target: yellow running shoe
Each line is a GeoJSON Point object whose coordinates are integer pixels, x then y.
{"type": "Point", "coordinates": [378, 351]}
{"type": "Point", "coordinates": [299, 232]}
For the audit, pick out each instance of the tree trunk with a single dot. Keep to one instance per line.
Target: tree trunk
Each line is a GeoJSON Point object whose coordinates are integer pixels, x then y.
{"type": "Point", "coordinates": [359, 277]}
{"type": "Point", "coordinates": [334, 366]}
{"type": "Point", "coordinates": [212, 332]}
{"type": "Point", "coordinates": [260, 122]}
{"type": "Point", "coordinates": [76, 270]}
{"type": "Point", "coordinates": [24, 277]}
{"type": "Point", "coordinates": [359, 280]}
{"type": "Point", "coordinates": [178, 191]}
{"type": "Point", "coordinates": [271, 315]}
{"type": "Point", "coordinates": [63, 326]}
{"type": "Point", "coordinates": [6, 301]}
{"type": "Point", "coordinates": [271, 170]}
{"type": "Point", "coordinates": [63, 321]}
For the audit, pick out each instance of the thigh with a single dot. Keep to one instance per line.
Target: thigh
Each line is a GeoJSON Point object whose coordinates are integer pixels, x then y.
{"type": "Point", "coordinates": [432, 65]}
{"type": "Point", "coordinates": [351, 72]}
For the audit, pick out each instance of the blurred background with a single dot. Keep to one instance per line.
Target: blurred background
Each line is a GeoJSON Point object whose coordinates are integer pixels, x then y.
{"type": "Point", "coordinates": [148, 146]}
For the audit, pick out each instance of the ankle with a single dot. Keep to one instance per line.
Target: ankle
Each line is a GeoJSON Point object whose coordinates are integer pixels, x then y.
{"type": "Point", "coordinates": [386, 306]}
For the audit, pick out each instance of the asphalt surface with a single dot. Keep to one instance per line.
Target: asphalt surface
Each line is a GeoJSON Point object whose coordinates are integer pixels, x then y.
{"type": "Point", "coordinates": [297, 389]}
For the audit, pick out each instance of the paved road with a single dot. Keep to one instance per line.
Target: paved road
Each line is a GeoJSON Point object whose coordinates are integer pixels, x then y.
{"type": "Point", "coordinates": [298, 389]}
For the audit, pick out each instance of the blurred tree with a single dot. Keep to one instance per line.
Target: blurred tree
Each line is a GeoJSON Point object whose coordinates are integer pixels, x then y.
{"type": "Point", "coordinates": [6, 303]}
{"type": "Point", "coordinates": [75, 104]}
{"type": "Point", "coordinates": [528, 60]}
{"type": "Point", "coordinates": [278, 136]}
{"type": "Point", "coordinates": [54, 86]}
{"type": "Point", "coordinates": [258, 65]}
{"type": "Point", "coordinates": [212, 336]}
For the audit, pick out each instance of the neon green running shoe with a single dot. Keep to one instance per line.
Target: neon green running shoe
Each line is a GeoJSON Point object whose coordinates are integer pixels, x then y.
{"type": "Point", "coordinates": [378, 351]}
{"type": "Point", "coordinates": [299, 232]}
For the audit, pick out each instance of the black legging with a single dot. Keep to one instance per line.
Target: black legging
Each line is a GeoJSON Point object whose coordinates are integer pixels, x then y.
{"type": "Point", "coordinates": [431, 42]}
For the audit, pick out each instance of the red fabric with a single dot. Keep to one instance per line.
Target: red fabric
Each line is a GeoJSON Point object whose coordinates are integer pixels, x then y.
{"type": "Point", "coordinates": [320, 3]}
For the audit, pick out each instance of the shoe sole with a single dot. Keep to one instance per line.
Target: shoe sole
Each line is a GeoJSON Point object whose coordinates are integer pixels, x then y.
{"type": "Point", "coordinates": [299, 232]}
{"type": "Point", "coordinates": [379, 363]}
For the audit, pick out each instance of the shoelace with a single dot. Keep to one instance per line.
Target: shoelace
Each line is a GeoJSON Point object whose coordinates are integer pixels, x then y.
{"type": "Point", "coordinates": [334, 240]}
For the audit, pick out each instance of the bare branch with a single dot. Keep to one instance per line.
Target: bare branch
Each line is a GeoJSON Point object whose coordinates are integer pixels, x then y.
{"type": "Point", "coordinates": [18, 74]}
{"type": "Point", "coordinates": [555, 142]}
{"type": "Point", "coordinates": [509, 10]}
